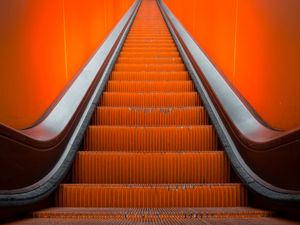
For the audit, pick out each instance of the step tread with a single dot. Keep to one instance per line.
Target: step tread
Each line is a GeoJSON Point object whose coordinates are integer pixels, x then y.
{"type": "Point", "coordinates": [150, 76]}
{"type": "Point", "coordinates": [149, 116]}
{"type": "Point", "coordinates": [152, 213]}
{"type": "Point", "coordinates": [120, 220]}
{"type": "Point", "coordinates": [156, 221]}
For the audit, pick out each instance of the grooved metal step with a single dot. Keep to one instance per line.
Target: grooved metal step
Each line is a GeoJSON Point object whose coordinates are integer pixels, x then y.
{"type": "Point", "coordinates": [140, 116]}
{"type": "Point", "coordinates": [152, 195]}
{"type": "Point", "coordinates": [151, 168]}
{"type": "Point", "coordinates": [150, 139]}
{"type": "Point", "coordinates": [150, 99]}
{"type": "Point", "coordinates": [150, 76]}
{"type": "Point", "coordinates": [153, 213]}
{"type": "Point", "coordinates": [150, 86]}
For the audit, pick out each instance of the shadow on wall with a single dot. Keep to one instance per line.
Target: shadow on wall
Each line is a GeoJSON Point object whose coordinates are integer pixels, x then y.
{"type": "Point", "coordinates": [43, 46]}
{"type": "Point", "coordinates": [256, 46]}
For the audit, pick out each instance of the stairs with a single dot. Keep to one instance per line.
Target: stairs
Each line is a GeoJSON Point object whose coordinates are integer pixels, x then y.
{"type": "Point", "coordinates": [150, 144]}
{"type": "Point", "coordinates": [150, 154]}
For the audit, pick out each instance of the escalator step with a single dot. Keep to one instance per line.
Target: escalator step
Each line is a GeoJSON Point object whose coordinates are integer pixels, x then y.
{"type": "Point", "coordinates": [149, 54]}
{"type": "Point", "coordinates": [158, 219]}
{"type": "Point", "coordinates": [145, 50]}
{"type": "Point", "coordinates": [149, 36]}
{"type": "Point", "coordinates": [134, 116]}
{"type": "Point", "coordinates": [169, 99]}
{"type": "Point", "coordinates": [149, 41]}
{"type": "Point", "coordinates": [147, 168]}
{"type": "Point", "coordinates": [149, 76]}
{"type": "Point", "coordinates": [149, 45]}
{"type": "Point", "coordinates": [149, 67]}
{"type": "Point", "coordinates": [156, 196]}
{"type": "Point", "coordinates": [150, 86]}
{"type": "Point", "coordinates": [161, 60]}
{"type": "Point", "coordinates": [150, 139]}
{"type": "Point", "coordinates": [153, 213]}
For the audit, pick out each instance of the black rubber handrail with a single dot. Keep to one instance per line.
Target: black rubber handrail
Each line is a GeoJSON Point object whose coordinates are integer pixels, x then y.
{"type": "Point", "coordinates": [35, 160]}
{"type": "Point", "coordinates": [267, 160]}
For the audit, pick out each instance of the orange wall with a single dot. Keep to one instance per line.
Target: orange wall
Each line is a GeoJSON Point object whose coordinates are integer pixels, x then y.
{"type": "Point", "coordinates": [255, 44]}
{"type": "Point", "coordinates": [43, 46]}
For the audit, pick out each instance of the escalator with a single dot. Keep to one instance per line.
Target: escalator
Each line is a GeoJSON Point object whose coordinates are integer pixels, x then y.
{"type": "Point", "coordinates": [150, 143]}
{"type": "Point", "coordinates": [150, 153]}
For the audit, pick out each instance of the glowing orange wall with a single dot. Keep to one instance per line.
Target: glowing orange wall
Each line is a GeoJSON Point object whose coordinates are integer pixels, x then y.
{"type": "Point", "coordinates": [43, 46]}
{"type": "Point", "coordinates": [255, 44]}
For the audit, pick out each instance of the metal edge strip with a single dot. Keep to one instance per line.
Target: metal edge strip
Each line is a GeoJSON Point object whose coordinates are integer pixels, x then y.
{"type": "Point", "coordinates": [245, 173]}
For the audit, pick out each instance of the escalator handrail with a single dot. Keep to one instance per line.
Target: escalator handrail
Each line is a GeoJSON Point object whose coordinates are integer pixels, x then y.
{"type": "Point", "coordinates": [58, 136]}
{"type": "Point", "coordinates": [242, 133]}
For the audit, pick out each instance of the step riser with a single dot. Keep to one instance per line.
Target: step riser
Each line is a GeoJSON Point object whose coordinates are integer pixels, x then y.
{"type": "Point", "coordinates": [150, 36]}
{"type": "Point", "coordinates": [113, 86]}
{"type": "Point", "coordinates": [149, 54]}
{"type": "Point", "coordinates": [149, 30]}
{"type": "Point", "coordinates": [150, 139]}
{"type": "Point", "coordinates": [149, 45]}
{"type": "Point", "coordinates": [148, 67]}
{"type": "Point", "coordinates": [148, 41]}
{"type": "Point", "coordinates": [150, 60]}
{"type": "Point", "coordinates": [148, 50]}
{"type": "Point", "coordinates": [152, 28]}
{"type": "Point", "coordinates": [150, 76]}
{"type": "Point", "coordinates": [110, 168]}
{"type": "Point", "coordinates": [201, 196]}
{"type": "Point", "coordinates": [149, 116]}
{"type": "Point", "coordinates": [151, 25]}
{"type": "Point", "coordinates": [150, 100]}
